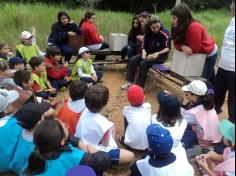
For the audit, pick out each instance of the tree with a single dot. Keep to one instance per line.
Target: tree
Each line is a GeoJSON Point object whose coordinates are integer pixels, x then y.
{"type": "Point", "coordinates": [177, 2]}
{"type": "Point", "coordinates": [90, 4]}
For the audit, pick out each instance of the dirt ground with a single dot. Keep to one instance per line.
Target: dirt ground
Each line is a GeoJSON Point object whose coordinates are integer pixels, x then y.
{"type": "Point", "coordinates": [114, 78]}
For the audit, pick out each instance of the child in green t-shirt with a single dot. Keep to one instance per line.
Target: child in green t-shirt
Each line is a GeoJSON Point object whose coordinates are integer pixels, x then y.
{"type": "Point", "coordinates": [84, 69]}
{"type": "Point", "coordinates": [41, 86]}
{"type": "Point", "coordinates": [28, 49]}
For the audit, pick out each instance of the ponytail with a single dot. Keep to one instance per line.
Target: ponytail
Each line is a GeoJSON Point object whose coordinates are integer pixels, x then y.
{"type": "Point", "coordinates": [81, 22]}
{"type": "Point", "coordinates": [208, 100]}
{"type": "Point", "coordinates": [36, 163]}
{"type": "Point", "coordinates": [87, 16]}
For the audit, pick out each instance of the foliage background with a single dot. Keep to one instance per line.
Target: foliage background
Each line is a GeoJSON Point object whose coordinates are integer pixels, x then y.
{"type": "Point", "coordinates": [136, 6]}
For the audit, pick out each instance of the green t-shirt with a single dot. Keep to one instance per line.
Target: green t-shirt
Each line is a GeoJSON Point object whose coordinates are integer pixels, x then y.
{"type": "Point", "coordinates": [27, 52]}
{"type": "Point", "coordinates": [40, 80]}
{"type": "Point", "coordinates": [86, 67]}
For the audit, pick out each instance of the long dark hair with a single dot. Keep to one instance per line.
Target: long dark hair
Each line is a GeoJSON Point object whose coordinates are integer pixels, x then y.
{"type": "Point", "coordinates": [208, 100]}
{"type": "Point", "coordinates": [134, 32]}
{"type": "Point", "coordinates": [87, 16]}
{"type": "Point", "coordinates": [168, 121]}
{"type": "Point", "coordinates": [47, 139]}
{"type": "Point", "coordinates": [185, 18]}
{"type": "Point", "coordinates": [152, 20]}
{"type": "Point", "coordinates": [60, 14]}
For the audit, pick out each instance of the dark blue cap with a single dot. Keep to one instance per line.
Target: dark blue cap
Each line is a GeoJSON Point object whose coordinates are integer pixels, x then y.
{"type": "Point", "coordinates": [16, 60]}
{"type": "Point", "coordinates": [169, 104]}
{"type": "Point", "coordinates": [159, 139]}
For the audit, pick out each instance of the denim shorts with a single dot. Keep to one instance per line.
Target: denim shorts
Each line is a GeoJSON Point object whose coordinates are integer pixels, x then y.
{"type": "Point", "coordinates": [114, 155]}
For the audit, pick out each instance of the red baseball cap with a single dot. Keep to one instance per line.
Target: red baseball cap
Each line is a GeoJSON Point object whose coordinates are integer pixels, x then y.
{"type": "Point", "coordinates": [135, 95]}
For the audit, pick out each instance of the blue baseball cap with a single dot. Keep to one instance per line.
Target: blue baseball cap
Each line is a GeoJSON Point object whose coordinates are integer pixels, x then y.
{"type": "Point", "coordinates": [16, 60]}
{"type": "Point", "coordinates": [169, 104]}
{"type": "Point", "coordinates": [160, 145]}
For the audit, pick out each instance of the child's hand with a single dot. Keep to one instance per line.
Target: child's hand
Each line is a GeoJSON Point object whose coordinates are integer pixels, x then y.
{"type": "Point", "coordinates": [156, 55]}
{"type": "Point", "coordinates": [72, 33]}
{"type": "Point", "coordinates": [187, 50]}
{"type": "Point", "coordinates": [67, 78]}
{"type": "Point", "coordinates": [201, 160]}
{"type": "Point", "coordinates": [94, 77]}
{"type": "Point", "coordinates": [144, 54]}
{"type": "Point", "coordinates": [66, 64]}
{"type": "Point", "coordinates": [140, 38]}
{"type": "Point", "coordinates": [52, 90]}
{"type": "Point", "coordinates": [150, 57]}
{"type": "Point", "coordinates": [102, 38]}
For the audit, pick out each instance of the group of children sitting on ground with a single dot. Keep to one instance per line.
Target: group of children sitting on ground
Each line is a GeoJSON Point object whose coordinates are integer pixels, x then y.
{"type": "Point", "coordinates": [37, 141]}
{"type": "Point", "coordinates": [40, 142]}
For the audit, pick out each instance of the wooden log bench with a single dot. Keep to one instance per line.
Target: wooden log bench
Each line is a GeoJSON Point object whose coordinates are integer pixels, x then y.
{"type": "Point", "coordinates": [163, 71]}
{"type": "Point", "coordinates": [159, 71]}
{"type": "Point", "coordinates": [76, 42]}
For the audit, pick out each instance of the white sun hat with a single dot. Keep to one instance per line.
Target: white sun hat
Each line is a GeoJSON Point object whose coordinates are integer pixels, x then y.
{"type": "Point", "coordinates": [7, 97]}
{"type": "Point", "coordinates": [196, 87]}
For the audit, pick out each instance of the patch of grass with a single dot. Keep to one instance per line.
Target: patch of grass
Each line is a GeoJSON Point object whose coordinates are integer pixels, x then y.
{"type": "Point", "coordinates": [15, 18]}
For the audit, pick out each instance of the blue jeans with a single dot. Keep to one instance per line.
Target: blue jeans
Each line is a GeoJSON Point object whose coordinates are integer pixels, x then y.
{"type": "Point", "coordinates": [209, 68]}
{"type": "Point", "coordinates": [44, 95]}
{"type": "Point", "coordinates": [90, 80]}
{"type": "Point", "coordinates": [129, 51]}
{"type": "Point", "coordinates": [190, 138]}
{"type": "Point", "coordinates": [57, 84]}
{"type": "Point", "coordinates": [65, 50]}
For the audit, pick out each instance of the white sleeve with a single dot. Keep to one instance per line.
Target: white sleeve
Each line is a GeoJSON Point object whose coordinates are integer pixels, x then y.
{"type": "Point", "coordinates": [92, 69]}
{"type": "Point", "coordinates": [190, 118]}
{"type": "Point", "coordinates": [81, 74]}
{"type": "Point", "coordinates": [230, 173]}
{"type": "Point", "coordinates": [41, 54]}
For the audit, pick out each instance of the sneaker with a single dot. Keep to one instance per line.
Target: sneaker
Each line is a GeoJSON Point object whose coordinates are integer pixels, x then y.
{"type": "Point", "coordinates": [126, 86]}
{"type": "Point", "coordinates": [89, 84]}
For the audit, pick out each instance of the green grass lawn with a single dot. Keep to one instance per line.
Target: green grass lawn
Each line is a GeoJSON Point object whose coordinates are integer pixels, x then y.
{"type": "Point", "coordinates": [14, 18]}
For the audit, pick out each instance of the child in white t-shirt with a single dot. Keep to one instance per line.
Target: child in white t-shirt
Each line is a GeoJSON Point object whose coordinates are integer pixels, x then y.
{"type": "Point", "coordinates": [160, 161]}
{"type": "Point", "coordinates": [96, 130]}
{"type": "Point", "coordinates": [169, 117]}
{"type": "Point", "coordinates": [137, 119]}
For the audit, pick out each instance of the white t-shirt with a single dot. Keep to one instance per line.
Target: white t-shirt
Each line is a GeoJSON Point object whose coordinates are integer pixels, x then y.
{"type": "Point", "coordinates": [76, 106]}
{"type": "Point", "coordinates": [177, 133]}
{"type": "Point", "coordinates": [174, 169]}
{"type": "Point", "coordinates": [139, 118]}
{"type": "Point", "coordinates": [228, 48]}
{"type": "Point", "coordinates": [91, 129]}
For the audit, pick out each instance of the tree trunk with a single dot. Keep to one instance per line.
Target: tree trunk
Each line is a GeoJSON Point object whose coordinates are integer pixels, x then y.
{"type": "Point", "coordinates": [177, 2]}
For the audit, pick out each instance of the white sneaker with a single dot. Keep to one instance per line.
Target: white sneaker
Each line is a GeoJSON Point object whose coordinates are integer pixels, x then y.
{"type": "Point", "coordinates": [90, 84]}
{"type": "Point", "coordinates": [126, 86]}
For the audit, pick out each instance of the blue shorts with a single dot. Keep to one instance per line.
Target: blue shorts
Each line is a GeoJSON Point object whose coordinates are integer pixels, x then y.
{"type": "Point", "coordinates": [114, 155]}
